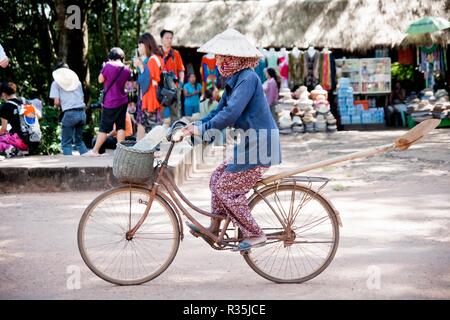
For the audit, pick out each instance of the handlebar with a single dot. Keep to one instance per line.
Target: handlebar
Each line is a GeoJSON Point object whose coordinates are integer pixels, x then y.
{"type": "Point", "coordinates": [175, 126]}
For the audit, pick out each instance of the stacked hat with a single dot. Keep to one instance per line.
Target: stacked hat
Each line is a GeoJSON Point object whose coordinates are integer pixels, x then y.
{"type": "Point", "coordinates": [308, 121]}
{"type": "Point", "coordinates": [422, 112]}
{"type": "Point", "coordinates": [413, 105]}
{"type": "Point", "coordinates": [441, 95]}
{"type": "Point", "coordinates": [285, 122]}
{"type": "Point", "coordinates": [427, 94]}
{"type": "Point", "coordinates": [321, 104]}
{"type": "Point", "coordinates": [441, 110]}
{"type": "Point", "coordinates": [320, 125]}
{"type": "Point", "coordinates": [310, 110]}
{"type": "Point", "coordinates": [297, 123]}
{"type": "Point", "coordinates": [331, 122]}
{"type": "Point", "coordinates": [285, 92]}
{"type": "Point", "coordinates": [299, 92]}
{"type": "Point", "coordinates": [297, 112]}
{"type": "Point", "coordinates": [304, 100]}
{"type": "Point", "coordinates": [318, 90]}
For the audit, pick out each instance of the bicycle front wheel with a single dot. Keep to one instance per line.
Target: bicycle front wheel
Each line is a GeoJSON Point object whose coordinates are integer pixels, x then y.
{"type": "Point", "coordinates": [303, 245]}
{"type": "Point", "coordinates": [103, 243]}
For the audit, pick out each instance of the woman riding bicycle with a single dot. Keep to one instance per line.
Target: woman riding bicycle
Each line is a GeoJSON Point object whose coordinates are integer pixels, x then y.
{"type": "Point", "coordinates": [242, 106]}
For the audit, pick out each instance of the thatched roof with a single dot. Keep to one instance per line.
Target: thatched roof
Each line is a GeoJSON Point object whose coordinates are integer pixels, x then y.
{"type": "Point", "coordinates": [341, 24]}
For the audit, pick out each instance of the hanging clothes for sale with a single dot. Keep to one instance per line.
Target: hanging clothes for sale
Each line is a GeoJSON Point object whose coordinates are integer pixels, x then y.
{"type": "Point", "coordinates": [431, 60]}
{"type": "Point", "coordinates": [311, 78]}
{"type": "Point", "coordinates": [296, 65]}
{"type": "Point", "coordinates": [327, 70]}
{"type": "Point", "coordinates": [260, 68]}
{"type": "Point", "coordinates": [284, 71]}
{"type": "Point", "coordinates": [209, 73]}
{"type": "Point", "coordinates": [272, 59]}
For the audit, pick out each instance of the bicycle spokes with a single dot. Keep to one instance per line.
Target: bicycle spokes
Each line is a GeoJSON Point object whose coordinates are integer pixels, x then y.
{"type": "Point", "coordinates": [116, 256]}
{"type": "Point", "coordinates": [302, 248]}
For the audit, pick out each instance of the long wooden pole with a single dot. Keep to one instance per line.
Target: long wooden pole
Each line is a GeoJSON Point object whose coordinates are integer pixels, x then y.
{"type": "Point", "coordinates": [325, 163]}
{"type": "Point", "coordinates": [401, 143]}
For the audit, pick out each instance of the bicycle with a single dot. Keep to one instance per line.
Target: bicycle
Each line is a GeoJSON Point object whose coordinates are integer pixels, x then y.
{"type": "Point", "coordinates": [131, 234]}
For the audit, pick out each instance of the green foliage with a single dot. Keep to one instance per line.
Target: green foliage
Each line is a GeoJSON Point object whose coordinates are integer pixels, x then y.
{"type": "Point", "coordinates": [402, 72]}
{"type": "Point", "coordinates": [128, 36]}
{"type": "Point", "coordinates": [21, 36]}
{"type": "Point", "coordinates": [30, 37]}
{"type": "Point", "coordinates": [51, 132]}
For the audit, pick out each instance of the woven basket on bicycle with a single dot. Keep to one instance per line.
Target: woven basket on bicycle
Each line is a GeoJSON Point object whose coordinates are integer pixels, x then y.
{"type": "Point", "coordinates": [131, 165]}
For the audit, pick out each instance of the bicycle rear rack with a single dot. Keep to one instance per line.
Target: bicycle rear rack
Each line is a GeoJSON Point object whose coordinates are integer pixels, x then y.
{"type": "Point", "coordinates": [305, 179]}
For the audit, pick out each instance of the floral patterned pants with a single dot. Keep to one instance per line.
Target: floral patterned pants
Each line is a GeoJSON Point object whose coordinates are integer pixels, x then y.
{"type": "Point", "coordinates": [228, 196]}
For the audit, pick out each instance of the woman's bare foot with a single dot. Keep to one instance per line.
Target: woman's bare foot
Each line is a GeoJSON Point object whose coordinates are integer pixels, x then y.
{"type": "Point", "coordinates": [214, 227]}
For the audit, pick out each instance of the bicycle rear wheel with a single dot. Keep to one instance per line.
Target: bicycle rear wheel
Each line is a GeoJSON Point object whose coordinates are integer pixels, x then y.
{"type": "Point", "coordinates": [310, 240]}
{"type": "Point", "coordinates": [102, 236]}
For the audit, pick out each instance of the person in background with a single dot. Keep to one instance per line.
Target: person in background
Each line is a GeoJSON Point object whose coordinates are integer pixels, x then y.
{"type": "Point", "coordinates": [192, 91]}
{"type": "Point", "coordinates": [114, 76]}
{"type": "Point", "coordinates": [12, 141]}
{"type": "Point", "coordinates": [398, 94]}
{"type": "Point", "coordinates": [272, 91]}
{"type": "Point", "coordinates": [4, 60]}
{"type": "Point", "coordinates": [209, 103]}
{"type": "Point", "coordinates": [67, 93]}
{"type": "Point", "coordinates": [111, 138]}
{"type": "Point", "coordinates": [172, 63]}
{"type": "Point", "coordinates": [149, 65]}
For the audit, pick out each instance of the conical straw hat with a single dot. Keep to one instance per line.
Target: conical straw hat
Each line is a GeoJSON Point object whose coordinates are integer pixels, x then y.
{"type": "Point", "coordinates": [231, 43]}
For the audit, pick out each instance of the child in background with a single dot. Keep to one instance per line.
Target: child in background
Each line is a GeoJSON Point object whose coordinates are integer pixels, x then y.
{"type": "Point", "coordinates": [208, 104]}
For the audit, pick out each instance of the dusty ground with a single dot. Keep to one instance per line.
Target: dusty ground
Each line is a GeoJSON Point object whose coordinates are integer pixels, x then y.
{"type": "Point", "coordinates": [395, 210]}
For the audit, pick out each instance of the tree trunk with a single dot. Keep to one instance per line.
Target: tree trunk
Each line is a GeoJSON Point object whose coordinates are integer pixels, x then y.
{"type": "Point", "coordinates": [115, 16]}
{"type": "Point", "coordinates": [63, 41]}
{"type": "Point", "coordinates": [138, 17]}
{"type": "Point", "coordinates": [78, 42]}
{"type": "Point", "coordinates": [101, 33]}
{"type": "Point", "coordinates": [47, 51]}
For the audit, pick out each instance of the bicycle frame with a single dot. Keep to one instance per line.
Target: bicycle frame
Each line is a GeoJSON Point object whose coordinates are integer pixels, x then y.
{"type": "Point", "coordinates": [166, 180]}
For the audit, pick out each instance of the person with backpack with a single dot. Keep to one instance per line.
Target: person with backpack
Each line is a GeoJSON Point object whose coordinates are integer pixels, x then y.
{"type": "Point", "coordinates": [13, 139]}
{"type": "Point", "coordinates": [67, 94]}
{"type": "Point", "coordinates": [114, 75]}
{"type": "Point", "coordinates": [173, 64]}
{"type": "Point", "coordinates": [150, 65]}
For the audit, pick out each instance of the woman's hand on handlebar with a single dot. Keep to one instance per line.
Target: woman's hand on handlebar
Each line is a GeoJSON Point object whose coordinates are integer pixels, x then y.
{"type": "Point", "coordinates": [186, 131]}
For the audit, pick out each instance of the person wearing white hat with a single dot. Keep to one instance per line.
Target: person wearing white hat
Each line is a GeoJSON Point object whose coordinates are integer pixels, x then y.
{"type": "Point", "coordinates": [67, 94]}
{"type": "Point", "coordinates": [242, 106]}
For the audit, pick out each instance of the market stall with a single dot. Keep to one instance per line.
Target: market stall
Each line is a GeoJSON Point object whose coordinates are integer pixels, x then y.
{"type": "Point", "coordinates": [363, 92]}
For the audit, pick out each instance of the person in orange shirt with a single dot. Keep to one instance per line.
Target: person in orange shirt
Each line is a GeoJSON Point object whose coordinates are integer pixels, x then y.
{"type": "Point", "coordinates": [150, 65]}
{"type": "Point", "coordinates": [172, 63]}
{"type": "Point", "coordinates": [111, 138]}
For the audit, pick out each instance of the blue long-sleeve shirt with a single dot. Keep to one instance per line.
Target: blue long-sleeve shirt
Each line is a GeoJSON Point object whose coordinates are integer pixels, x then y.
{"type": "Point", "coordinates": [244, 106]}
